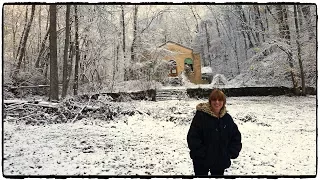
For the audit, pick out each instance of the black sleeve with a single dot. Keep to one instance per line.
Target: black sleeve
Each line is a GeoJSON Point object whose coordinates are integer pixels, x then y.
{"type": "Point", "coordinates": [195, 137]}
{"type": "Point", "coordinates": [235, 144]}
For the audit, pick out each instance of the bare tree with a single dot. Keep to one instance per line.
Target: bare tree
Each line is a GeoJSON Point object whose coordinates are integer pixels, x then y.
{"type": "Point", "coordinates": [123, 40]}
{"type": "Point", "coordinates": [24, 42]}
{"type": "Point", "coordinates": [76, 66]}
{"type": "Point", "coordinates": [134, 41]}
{"type": "Point", "coordinates": [303, 83]}
{"type": "Point", "coordinates": [282, 14]}
{"type": "Point", "coordinates": [307, 15]}
{"type": "Point", "coordinates": [65, 56]}
{"type": "Point", "coordinates": [258, 23]}
{"type": "Point", "coordinates": [23, 33]}
{"type": "Point", "coordinates": [195, 15]}
{"type": "Point", "coordinates": [14, 27]}
{"type": "Point", "coordinates": [54, 87]}
{"type": "Point", "coordinates": [123, 32]}
{"type": "Point", "coordinates": [42, 49]}
{"type": "Point", "coordinates": [244, 25]}
{"type": "Point", "coordinates": [208, 41]}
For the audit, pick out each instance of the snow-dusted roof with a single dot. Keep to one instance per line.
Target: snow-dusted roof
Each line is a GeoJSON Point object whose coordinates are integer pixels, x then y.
{"type": "Point", "coordinates": [206, 69]}
{"type": "Point", "coordinates": [175, 44]}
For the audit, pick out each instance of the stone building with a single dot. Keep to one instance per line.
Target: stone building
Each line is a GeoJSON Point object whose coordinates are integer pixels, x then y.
{"type": "Point", "coordinates": [183, 59]}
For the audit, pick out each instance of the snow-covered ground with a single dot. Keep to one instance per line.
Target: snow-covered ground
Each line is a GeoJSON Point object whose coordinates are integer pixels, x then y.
{"type": "Point", "coordinates": [278, 135]}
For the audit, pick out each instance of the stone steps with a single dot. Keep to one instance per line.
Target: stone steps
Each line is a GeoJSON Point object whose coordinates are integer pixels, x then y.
{"type": "Point", "coordinates": [171, 94]}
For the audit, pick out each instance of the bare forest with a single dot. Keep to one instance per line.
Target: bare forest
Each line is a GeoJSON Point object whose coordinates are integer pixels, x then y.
{"type": "Point", "coordinates": [73, 48]}
{"type": "Point", "coordinates": [85, 93]}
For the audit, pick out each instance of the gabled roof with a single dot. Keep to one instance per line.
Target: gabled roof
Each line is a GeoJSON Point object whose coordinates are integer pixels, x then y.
{"type": "Point", "coordinates": [176, 44]}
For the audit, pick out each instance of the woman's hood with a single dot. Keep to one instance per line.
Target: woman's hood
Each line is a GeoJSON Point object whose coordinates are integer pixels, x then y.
{"type": "Point", "coordinates": [205, 107]}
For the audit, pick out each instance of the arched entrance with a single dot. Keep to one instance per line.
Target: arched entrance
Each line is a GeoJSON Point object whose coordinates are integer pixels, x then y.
{"type": "Point", "coordinates": [189, 62]}
{"type": "Point", "coordinates": [173, 67]}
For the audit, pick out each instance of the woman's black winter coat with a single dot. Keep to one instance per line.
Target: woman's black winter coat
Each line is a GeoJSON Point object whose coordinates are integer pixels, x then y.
{"type": "Point", "coordinates": [213, 141]}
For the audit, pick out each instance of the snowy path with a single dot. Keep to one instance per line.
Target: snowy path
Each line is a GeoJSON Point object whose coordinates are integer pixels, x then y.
{"type": "Point", "coordinates": [278, 134]}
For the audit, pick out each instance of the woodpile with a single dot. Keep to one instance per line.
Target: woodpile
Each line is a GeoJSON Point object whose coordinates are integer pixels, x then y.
{"type": "Point", "coordinates": [70, 110]}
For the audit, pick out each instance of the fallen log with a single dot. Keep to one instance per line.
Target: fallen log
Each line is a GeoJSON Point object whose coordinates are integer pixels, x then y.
{"type": "Point", "coordinates": [35, 86]}
{"type": "Point", "coordinates": [33, 102]}
{"type": "Point", "coordinates": [14, 101]}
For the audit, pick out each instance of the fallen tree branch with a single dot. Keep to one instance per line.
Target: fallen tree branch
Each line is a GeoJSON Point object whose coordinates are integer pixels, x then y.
{"type": "Point", "coordinates": [15, 102]}
{"type": "Point", "coordinates": [75, 118]}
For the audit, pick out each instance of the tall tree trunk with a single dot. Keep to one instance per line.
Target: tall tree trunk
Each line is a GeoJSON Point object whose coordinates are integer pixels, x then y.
{"type": "Point", "coordinates": [233, 43]}
{"type": "Point", "coordinates": [244, 25]}
{"type": "Point", "coordinates": [54, 87]}
{"type": "Point", "coordinates": [307, 15]}
{"type": "Point", "coordinates": [39, 37]}
{"type": "Point", "coordinates": [46, 65]}
{"type": "Point", "coordinates": [208, 42]}
{"type": "Point", "coordinates": [303, 84]}
{"type": "Point", "coordinates": [217, 26]}
{"type": "Point", "coordinates": [14, 32]}
{"type": "Point", "coordinates": [25, 38]}
{"type": "Point", "coordinates": [123, 33]}
{"type": "Point", "coordinates": [237, 57]}
{"type": "Point", "coordinates": [118, 49]}
{"type": "Point", "coordinates": [76, 66]}
{"type": "Point", "coordinates": [266, 24]}
{"type": "Point", "coordinates": [196, 19]}
{"type": "Point", "coordinates": [22, 34]}
{"type": "Point", "coordinates": [65, 56]}
{"type": "Point", "coordinates": [134, 41]}
{"type": "Point", "coordinates": [133, 46]}
{"type": "Point", "coordinates": [284, 30]}
{"type": "Point", "coordinates": [70, 61]}
{"type": "Point", "coordinates": [41, 52]}
{"type": "Point", "coordinates": [124, 44]}
{"type": "Point", "coordinates": [258, 22]}
{"type": "Point", "coordinates": [282, 14]}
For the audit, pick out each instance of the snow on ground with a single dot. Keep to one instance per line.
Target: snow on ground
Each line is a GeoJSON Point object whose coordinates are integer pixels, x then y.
{"type": "Point", "coordinates": [206, 70]}
{"type": "Point", "coordinates": [278, 135]}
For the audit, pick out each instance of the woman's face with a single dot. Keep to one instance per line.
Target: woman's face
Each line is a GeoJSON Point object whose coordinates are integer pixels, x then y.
{"type": "Point", "coordinates": [216, 105]}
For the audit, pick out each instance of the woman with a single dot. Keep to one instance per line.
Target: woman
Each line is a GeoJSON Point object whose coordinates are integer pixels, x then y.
{"type": "Point", "coordinates": [213, 137]}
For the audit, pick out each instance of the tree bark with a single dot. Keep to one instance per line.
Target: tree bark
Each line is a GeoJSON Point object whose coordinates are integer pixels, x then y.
{"type": "Point", "coordinates": [258, 22]}
{"type": "Point", "coordinates": [70, 61]}
{"type": "Point", "coordinates": [133, 46]}
{"type": "Point", "coordinates": [217, 26]}
{"type": "Point", "coordinates": [307, 15]}
{"type": "Point", "coordinates": [282, 13]}
{"type": "Point", "coordinates": [234, 43]}
{"type": "Point", "coordinates": [65, 56]}
{"type": "Point", "coordinates": [208, 42]}
{"type": "Point", "coordinates": [43, 45]}
{"type": "Point", "coordinates": [23, 33]}
{"type": "Point", "coordinates": [123, 42]}
{"type": "Point", "coordinates": [25, 38]}
{"type": "Point", "coordinates": [76, 66]}
{"type": "Point", "coordinates": [244, 25]}
{"type": "Point", "coordinates": [14, 32]}
{"type": "Point", "coordinates": [123, 33]}
{"type": "Point", "coordinates": [39, 37]}
{"type": "Point", "coordinates": [303, 84]}
{"type": "Point", "coordinates": [54, 86]}
{"type": "Point", "coordinates": [196, 19]}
